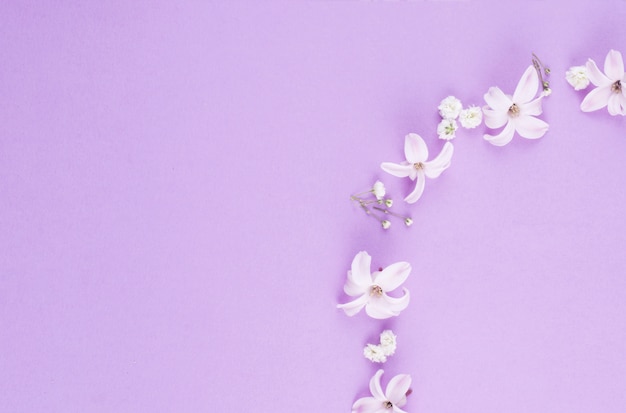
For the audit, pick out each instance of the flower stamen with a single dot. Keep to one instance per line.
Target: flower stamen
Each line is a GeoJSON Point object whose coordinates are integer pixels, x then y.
{"type": "Point", "coordinates": [376, 290]}
{"type": "Point", "coordinates": [418, 166]}
{"type": "Point", "coordinates": [388, 405]}
{"type": "Point", "coordinates": [514, 110]}
{"type": "Point", "coordinates": [617, 87]}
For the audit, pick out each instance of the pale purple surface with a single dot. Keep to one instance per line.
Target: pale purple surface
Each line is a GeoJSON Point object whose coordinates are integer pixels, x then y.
{"type": "Point", "coordinates": [175, 222]}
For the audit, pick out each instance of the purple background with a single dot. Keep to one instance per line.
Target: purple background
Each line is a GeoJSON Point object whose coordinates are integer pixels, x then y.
{"type": "Point", "coordinates": [176, 229]}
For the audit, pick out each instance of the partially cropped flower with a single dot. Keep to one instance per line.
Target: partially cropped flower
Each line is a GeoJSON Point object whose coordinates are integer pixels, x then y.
{"type": "Point", "coordinates": [447, 129]}
{"type": "Point", "coordinates": [516, 113]}
{"type": "Point", "coordinates": [578, 77]}
{"type": "Point", "coordinates": [371, 288]}
{"type": "Point", "coordinates": [388, 342]}
{"type": "Point", "coordinates": [391, 400]}
{"type": "Point", "coordinates": [379, 190]}
{"type": "Point", "coordinates": [471, 117]}
{"type": "Point", "coordinates": [450, 107]}
{"type": "Point", "coordinates": [374, 353]}
{"type": "Point", "coordinates": [416, 167]}
{"type": "Point", "coordinates": [610, 86]}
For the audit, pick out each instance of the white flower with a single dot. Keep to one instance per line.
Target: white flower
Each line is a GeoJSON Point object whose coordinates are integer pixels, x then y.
{"type": "Point", "coordinates": [388, 342]}
{"type": "Point", "coordinates": [374, 353]}
{"type": "Point", "coordinates": [416, 167]}
{"type": "Point", "coordinates": [391, 400]}
{"type": "Point", "coordinates": [447, 129]}
{"type": "Point", "coordinates": [450, 107]}
{"type": "Point", "coordinates": [371, 288]}
{"type": "Point", "coordinates": [385, 223]}
{"type": "Point", "coordinates": [578, 77]}
{"type": "Point", "coordinates": [516, 113]}
{"type": "Point", "coordinates": [610, 87]}
{"type": "Point", "coordinates": [378, 190]}
{"type": "Point", "coordinates": [471, 117]}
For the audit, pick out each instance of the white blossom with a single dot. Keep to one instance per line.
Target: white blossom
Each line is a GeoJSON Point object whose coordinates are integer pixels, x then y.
{"type": "Point", "coordinates": [447, 129]}
{"type": "Point", "coordinates": [450, 107]}
{"type": "Point", "coordinates": [388, 342]}
{"type": "Point", "coordinates": [471, 117]}
{"type": "Point", "coordinates": [378, 190]}
{"type": "Point", "coordinates": [578, 77]}
{"type": "Point", "coordinates": [374, 353]}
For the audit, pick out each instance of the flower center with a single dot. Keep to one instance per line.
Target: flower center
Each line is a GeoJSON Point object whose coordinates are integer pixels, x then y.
{"type": "Point", "coordinates": [617, 87]}
{"type": "Point", "coordinates": [388, 405]}
{"type": "Point", "coordinates": [418, 166]}
{"type": "Point", "coordinates": [376, 290]}
{"type": "Point", "coordinates": [514, 110]}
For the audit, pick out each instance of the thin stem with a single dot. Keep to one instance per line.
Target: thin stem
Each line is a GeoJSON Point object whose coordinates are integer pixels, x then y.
{"type": "Point", "coordinates": [386, 211]}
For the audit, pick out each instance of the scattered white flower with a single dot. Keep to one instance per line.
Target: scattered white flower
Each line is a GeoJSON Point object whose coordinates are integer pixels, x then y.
{"type": "Point", "coordinates": [578, 77]}
{"type": "Point", "coordinates": [386, 224]}
{"type": "Point", "coordinates": [378, 190]}
{"type": "Point", "coordinates": [471, 117]}
{"type": "Point", "coordinates": [389, 202]}
{"type": "Point", "coordinates": [391, 400]}
{"type": "Point", "coordinates": [546, 92]}
{"type": "Point", "coordinates": [408, 222]}
{"type": "Point", "coordinates": [416, 167]}
{"type": "Point", "coordinates": [388, 342]}
{"type": "Point", "coordinates": [447, 129]}
{"type": "Point", "coordinates": [450, 107]}
{"type": "Point", "coordinates": [371, 288]}
{"type": "Point", "coordinates": [374, 353]}
{"type": "Point", "coordinates": [516, 113]}
{"type": "Point", "coordinates": [610, 86]}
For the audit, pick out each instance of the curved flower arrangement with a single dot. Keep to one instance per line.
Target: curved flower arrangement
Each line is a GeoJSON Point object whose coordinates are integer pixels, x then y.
{"type": "Point", "coordinates": [516, 113]}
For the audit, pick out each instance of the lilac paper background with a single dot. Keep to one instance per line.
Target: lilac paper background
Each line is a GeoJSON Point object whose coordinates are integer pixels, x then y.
{"type": "Point", "coordinates": [175, 223]}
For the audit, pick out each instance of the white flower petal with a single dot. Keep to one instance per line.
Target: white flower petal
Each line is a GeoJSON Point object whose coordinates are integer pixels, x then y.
{"type": "Point", "coordinates": [379, 309]}
{"type": "Point", "coordinates": [497, 100]}
{"type": "Point", "coordinates": [397, 305]}
{"type": "Point", "coordinates": [434, 168]}
{"type": "Point", "coordinates": [527, 87]}
{"type": "Point", "coordinates": [596, 99]}
{"type": "Point", "coordinates": [354, 306]}
{"type": "Point", "coordinates": [393, 276]}
{"type": "Point", "coordinates": [367, 405]}
{"type": "Point", "coordinates": [419, 188]}
{"type": "Point", "coordinates": [530, 127]}
{"type": "Point", "coordinates": [532, 108]}
{"type": "Point", "coordinates": [353, 289]}
{"type": "Point", "coordinates": [396, 409]}
{"type": "Point", "coordinates": [595, 75]}
{"type": "Point", "coordinates": [397, 388]}
{"type": "Point", "coordinates": [615, 104]}
{"type": "Point", "coordinates": [360, 270]}
{"type": "Point", "coordinates": [375, 387]}
{"type": "Point", "coordinates": [503, 137]}
{"type": "Point", "coordinates": [495, 119]}
{"type": "Point", "coordinates": [614, 65]}
{"type": "Point", "coordinates": [415, 149]}
{"type": "Point", "coordinates": [395, 169]}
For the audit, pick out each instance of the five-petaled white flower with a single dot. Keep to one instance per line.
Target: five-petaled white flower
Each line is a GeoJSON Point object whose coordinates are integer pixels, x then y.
{"type": "Point", "coordinates": [517, 112]}
{"type": "Point", "coordinates": [578, 77]}
{"type": "Point", "coordinates": [610, 86]}
{"type": "Point", "coordinates": [390, 401]}
{"type": "Point", "coordinates": [416, 166]}
{"type": "Point", "coordinates": [372, 288]}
